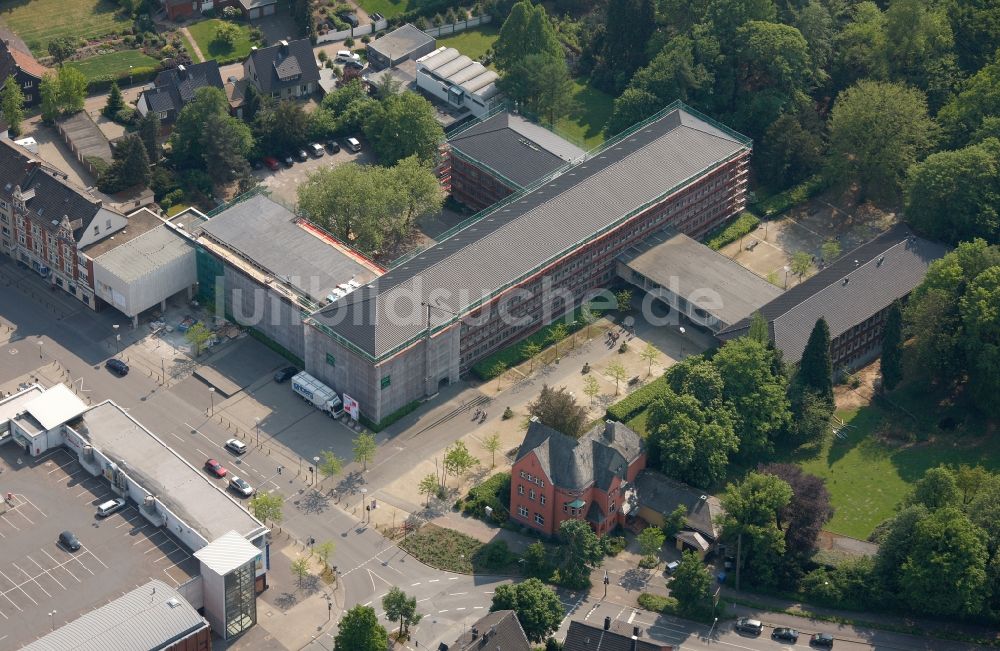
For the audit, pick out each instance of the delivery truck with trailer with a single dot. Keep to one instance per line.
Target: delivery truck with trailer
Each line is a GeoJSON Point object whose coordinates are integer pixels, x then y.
{"type": "Point", "coordinates": [321, 396]}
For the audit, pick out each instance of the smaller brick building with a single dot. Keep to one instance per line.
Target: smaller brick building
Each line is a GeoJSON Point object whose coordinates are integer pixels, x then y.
{"type": "Point", "coordinates": [557, 477]}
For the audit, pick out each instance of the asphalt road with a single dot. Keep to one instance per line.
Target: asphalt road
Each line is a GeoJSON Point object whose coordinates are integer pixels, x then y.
{"type": "Point", "coordinates": [75, 342]}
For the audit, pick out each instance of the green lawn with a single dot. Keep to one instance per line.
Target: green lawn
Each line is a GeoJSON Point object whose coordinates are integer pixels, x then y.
{"type": "Point", "coordinates": [204, 34]}
{"type": "Point", "coordinates": [113, 64]}
{"type": "Point", "coordinates": [387, 8]}
{"type": "Point", "coordinates": [189, 45]}
{"type": "Point", "coordinates": [473, 43]}
{"type": "Point", "coordinates": [39, 21]}
{"type": "Point", "coordinates": [585, 124]}
{"type": "Point", "coordinates": [867, 477]}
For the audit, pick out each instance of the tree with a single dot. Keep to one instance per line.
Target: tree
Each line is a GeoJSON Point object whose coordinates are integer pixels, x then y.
{"type": "Point", "coordinates": [492, 444]}
{"type": "Point", "coordinates": [628, 27]}
{"type": "Point", "coordinates": [816, 368]}
{"type": "Point", "coordinates": [790, 152]}
{"type": "Point", "coordinates": [752, 509]}
{"type": "Point", "coordinates": [400, 608]}
{"type": "Point", "coordinates": [937, 489]}
{"type": "Point", "coordinates": [591, 388]}
{"type": "Point", "coordinates": [692, 584]}
{"type": "Point", "coordinates": [537, 606]}
{"type": "Point", "coordinates": [690, 440]}
{"type": "Point", "coordinates": [115, 102]}
{"type": "Point", "coordinates": [758, 329]}
{"type": "Point", "coordinates": [227, 142]}
{"type": "Point", "coordinates": [649, 353]}
{"type": "Point", "coordinates": [359, 630]}
{"type": "Point", "coordinates": [623, 299]}
{"type": "Point", "coordinates": [281, 128]}
{"type": "Point", "coordinates": [72, 89]}
{"type": "Point", "coordinates": [61, 49]}
{"type": "Point", "coordinates": [616, 371]}
{"type": "Point", "coordinates": [12, 105]}
{"type": "Point", "coordinates": [528, 352]}
{"type": "Point", "coordinates": [919, 49]}
{"type": "Point", "coordinates": [406, 125]}
{"type": "Point", "coordinates": [558, 409]}
{"type": "Point", "coordinates": [266, 507]}
{"type": "Point", "coordinates": [541, 84]}
{"type": "Point", "coordinates": [859, 47]}
{"type": "Point", "coordinates": [650, 541]}
{"type": "Point", "coordinates": [675, 521]}
{"type": "Point", "coordinates": [48, 90]}
{"type": "Point", "coordinates": [497, 370]}
{"type": "Point", "coordinates": [587, 318]}
{"type": "Point", "coordinates": [417, 192]}
{"type": "Point", "coordinates": [300, 568]}
{"type": "Point", "coordinates": [198, 335]}
{"type": "Point", "coordinates": [458, 460]}
{"type": "Point", "coordinates": [149, 132]}
{"type": "Point", "coordinates": [948, 560]}
{"type": "Point", "coordinates": [557, 333]}
{"type": "Point", "coordinates": [582, 551]}
{"type": "Point", "coordinates": [801, 263]}
{"type": "Point", "coordinates": [877, 130]}
{"type": "Point", "coordinates": [364, 449]}
{"type": "Point", "coordinates": [830, 251]}
{"type": "Point", "coordinates": [891, 363]}
{"type": "Point", "coordinates": [429, 486]}
{"type": "Point", "coordinates": [323, 551]}
{"type": "Point", "coordinates": [756, 389]}
{"type": "Point", "coordinates": [526, 31]}
{"type": "Point", "coordinates": [806, 513]}
{"type": "Point", "coordinates": [953, 195]}
{"type": "Point", "coordinates": [131, 168]}
{"type": "Point", "coordinates": [811, 415]}
{"type": "Point", "coordinates": [964, 113]}
{"type": "Point", "coordinates": [226, 34]}
{"type": "Point", "coordinates": [330, 464]}
{"type": "Point", "coordinates": [207, 138]}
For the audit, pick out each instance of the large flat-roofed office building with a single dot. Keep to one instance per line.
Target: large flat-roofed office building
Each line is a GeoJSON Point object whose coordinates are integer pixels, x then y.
{"type": "Point", "coordinates": [537, 255]}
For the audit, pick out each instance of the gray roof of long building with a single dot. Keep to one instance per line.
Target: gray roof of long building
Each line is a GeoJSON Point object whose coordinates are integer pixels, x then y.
{"type": "Point", "coordinates": [400, 41]}
{"type": "Point", "coordinates": [268, 235]}
{"type": "Point", "coordinates": [146, 254]}
{"type": "Point", "coordinates": [518, 237]}
{"type": "Point", "coordinates": [705, 278]}
{"type": "Point", "coordinates": [516, 149]}
{"type": "Point", "coordinates": [855, 287]}
{"type": "Point", "coordinates": [594, 458]}
{"type": "Point", "coordinates": [152, 616]}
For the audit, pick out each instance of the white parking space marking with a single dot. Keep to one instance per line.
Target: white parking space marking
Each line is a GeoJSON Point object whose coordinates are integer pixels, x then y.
{"type": "Point", "coordinates": [32, 579]}
{"type": "Point", "coordinates": [17, 586]}
{"type": "Point", "coordinates": [96, 556]}
{"type": "Point", "coordinates": [61, 566]}
{"type": "Point", "coordinates": [4, 518]}
{"type": "Point", "coordinates": [47, 572]}
{"type": "Point", "coordinates": [24, 500]}
{"type": "Point", "coordinates": [127, 520]}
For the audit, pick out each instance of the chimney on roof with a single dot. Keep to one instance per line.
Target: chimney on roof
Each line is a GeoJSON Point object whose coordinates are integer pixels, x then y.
{"type": "Point", "coordinates": [253, 48]}
{"type": "Point", "coordinates": [609, 430]}
{"type": "Point", "coordinates": [636, 633]}
{"type": "Point", "coordinates": [284, 46]}
{"type": "Point", "coordinates": [182, 71]}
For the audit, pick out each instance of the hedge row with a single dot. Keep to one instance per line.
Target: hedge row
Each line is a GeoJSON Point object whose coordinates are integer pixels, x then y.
{"type": "Point", "coordinates": [138, 76]}
{"type": "Point", "coordinates": [494, 493]}
{"type": "Point", "coordinates": [739, 227]}
{"type": "Point", "coordinates": [793, 196]}
{"type": "Point", "coordinates": [485, 369]}
{"type": "Point", "coordinates": [623, 410]}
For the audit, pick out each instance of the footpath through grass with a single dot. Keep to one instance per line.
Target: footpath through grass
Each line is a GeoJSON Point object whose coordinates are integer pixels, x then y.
{"type": "Point", "coordinates": [39, 21]}
{"type": "Point", "coordinates": [113, 64]}
{"type": "Point", "coordinates": [473, 43]}
{"type": "Point", "coordinates": [204, 34]}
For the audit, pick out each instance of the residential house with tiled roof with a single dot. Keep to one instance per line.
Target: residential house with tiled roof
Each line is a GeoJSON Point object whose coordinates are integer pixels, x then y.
{"type": "Point", "coordinates": [173, 89]}
{"type": "Point", "coordinates": [657, 496]}
{"type": "Point", "coordinates": [496, 630]}
{"type": "Point", "coordinates": [284, 70]}
{"type": "Point", "coordinates": [582, 636]}
{"type": "Point", "coordinates": [46, 222]}
{"type": "Point", "coordinates": [557, 477]}
{"type": "Point", "coordinates": [853, 294]}
{"type": "Point", "coordinates": [27, 72]}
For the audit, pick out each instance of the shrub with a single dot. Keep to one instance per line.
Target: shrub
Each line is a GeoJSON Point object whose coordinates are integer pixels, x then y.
{"type": "Point", "coordinates": [494, 556]}
{"type": "Point", "coordinates": [322, 56]}
{"type": "Point", "coordinates": [366, 39]}
{"type": "Point", "coordinates": [349, 42]}
{"type": "Point", "coordinates": [508, 413]}
{"type": "Point", "coordinates": [494, 493]}
{"type": "Point", "coordinates": [125, 115]}
{"type": "Point", "coordinates": [613, 545]}
{"type": "Point", "coordinates": [739, 227]}
{"type": "Point", "coordinates": [783, 201]}
{"type": "Point", "coordinates": [657, 603]}
{"type": "Point", "coordinates": [623, 348]}
{"type": "Point", "coordinates": [625, 409]}
{"type": "Point", "coordinates": [231, 13]}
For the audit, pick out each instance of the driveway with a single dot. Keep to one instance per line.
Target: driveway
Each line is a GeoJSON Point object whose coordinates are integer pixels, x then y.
{"type": "Point", "coordinates": [53, 150]}
{"type": "Point", "coordinates": [284, 183]}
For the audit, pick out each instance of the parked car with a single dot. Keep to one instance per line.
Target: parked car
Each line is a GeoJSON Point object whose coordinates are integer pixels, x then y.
{"type": "Point", "coordinates": [672, 567]}
{"type": "Point", "coordinates": [215, 468]}
{"type": "Point", "coordinates": [236, 446]}
{"type": "Point", "coordinates": [353, 144]}
{"type": "Point", "coordinates": [747, 625]}
{"type": "Point", "coordinates": [349, 18]}
{"type": "Point", "coordinates": [316, 150]}
{"type": "Point", "coordinates": [785, 635]}
{"type": "Point", "coordinates": [345, 56]}
{"type": "Point", "coordinates": [109, 507]}
{"type": "Point", "coordinates": [117, 366]}
{"type": "Point", "coordinates": [303, 155]}
{"type": "Point", "coordinates": [240, 486]}
{"type": "Point", "coordinates": [289, 161]}
{"type": "Point", "coordinates": [272, 163]}
{"type": "Point", "coordinates": [69, 540]}
{"type": "Point", "coordinates": [824, 640]}
{"type": "Point", "coordinates": [333, 146]}
{"type": "Point", "coordinates": [285, 374]}
{"type": "Point", "coordinates": [357, 65]}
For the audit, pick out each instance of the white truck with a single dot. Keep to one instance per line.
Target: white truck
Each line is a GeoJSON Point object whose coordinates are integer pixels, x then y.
{"type": "Point", "coordinates": [321, 396]}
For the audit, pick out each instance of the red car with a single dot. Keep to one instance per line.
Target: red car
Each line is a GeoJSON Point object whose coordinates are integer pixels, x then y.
{"type": "Point", "coordinates": [272, 163]}
{"type": "Point", "coordinates": [215, 468]}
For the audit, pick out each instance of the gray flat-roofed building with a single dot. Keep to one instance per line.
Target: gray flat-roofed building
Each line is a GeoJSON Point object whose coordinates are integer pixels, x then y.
{"type": "Point", "coordinates": [152, 616]}
{"type": "Point", "coordinates": [852, 294]}
{"type": "Point", "coordinates": [183, 489]}
{"type": "Point", "coordinates": [401, 44]}
{"type": "Point", "coordinates": [457, 81]}
{"type": "Point", "coordinates": [705, 286]}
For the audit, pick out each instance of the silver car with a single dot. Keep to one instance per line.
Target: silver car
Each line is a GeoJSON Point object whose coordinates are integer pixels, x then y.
{"type": "Point", "coordinates": [240, 486]}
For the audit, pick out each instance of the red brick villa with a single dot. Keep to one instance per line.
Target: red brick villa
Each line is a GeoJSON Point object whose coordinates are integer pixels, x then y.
{"type": "Point", "coordinates": [557, 477]}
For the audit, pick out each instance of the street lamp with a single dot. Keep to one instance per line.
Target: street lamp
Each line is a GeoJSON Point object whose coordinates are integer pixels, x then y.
{"type": "Point", "coordinates": [364, 492]}
{"type": "Point", "coordinates": [52, 619]}
{"type": "Point", "coordinates": [316, 471]}
{"type": "Point", "coordinates": [118, 339]}
{"type": "Point", "coordinates": [130, 75]}
{"type": "Point", "coordinates": [787, 269]}
{"type": "Point", "coordinates": [257, 427]}
{"type": "Point", "coordinates": [211, 395]}
{"type": "Point", "coordinates": [40, 349]}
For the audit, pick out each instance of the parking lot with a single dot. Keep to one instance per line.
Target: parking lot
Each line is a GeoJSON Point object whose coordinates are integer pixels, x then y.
{"type": "Point", "coordinates": [43, 584]}
{"type": "Point", "coordinates": [284, 182]}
